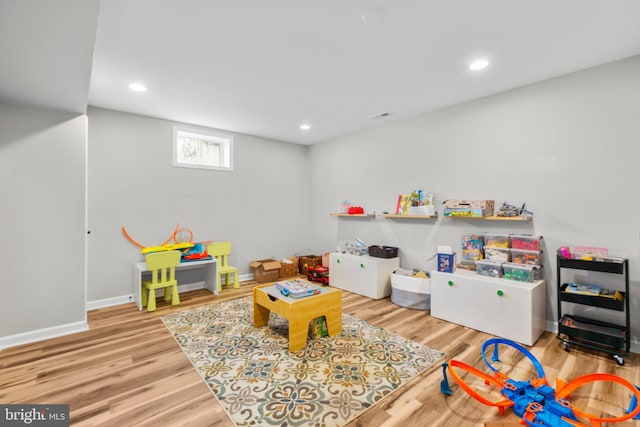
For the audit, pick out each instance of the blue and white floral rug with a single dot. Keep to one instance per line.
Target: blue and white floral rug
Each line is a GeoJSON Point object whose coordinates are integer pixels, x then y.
{"type": "Point", "coordinates": [260, 383]}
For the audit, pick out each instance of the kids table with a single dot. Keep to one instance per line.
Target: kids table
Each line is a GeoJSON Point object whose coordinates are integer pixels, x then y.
{"type": "Point", "coordinates": [298, 311]}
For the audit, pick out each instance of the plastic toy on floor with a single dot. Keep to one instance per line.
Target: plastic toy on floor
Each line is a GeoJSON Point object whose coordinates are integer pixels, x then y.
{"type": "Point", "coordinates": [535, 401]}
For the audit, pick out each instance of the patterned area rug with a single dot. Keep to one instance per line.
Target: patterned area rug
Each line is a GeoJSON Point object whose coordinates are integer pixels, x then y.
{"type": "Point", "coordinates": [260, 383]}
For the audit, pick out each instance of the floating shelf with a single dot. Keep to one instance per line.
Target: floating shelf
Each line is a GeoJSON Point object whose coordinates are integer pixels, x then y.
{"type": "Point", "coordinates": [495, 218]}
{"type": "Point", "coordinates": [351, 215]}
{"type": "Point", "coordinates": [408, 216]}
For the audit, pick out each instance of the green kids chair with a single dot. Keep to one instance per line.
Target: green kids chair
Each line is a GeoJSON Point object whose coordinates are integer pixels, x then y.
{"type": "Point", "coordinates": [163, 275]}
{"type": "Point", "coordinates": [221, 251]}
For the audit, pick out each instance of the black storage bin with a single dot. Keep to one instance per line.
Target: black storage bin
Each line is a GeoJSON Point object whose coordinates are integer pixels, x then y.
{"type": "Point", "coordinates": [383, 251]}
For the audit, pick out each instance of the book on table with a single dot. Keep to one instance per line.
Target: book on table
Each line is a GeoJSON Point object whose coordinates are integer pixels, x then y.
{"type": "Point", "coordinates": [297, 288]}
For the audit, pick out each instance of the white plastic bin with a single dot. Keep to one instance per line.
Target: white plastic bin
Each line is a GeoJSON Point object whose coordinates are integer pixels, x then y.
{"type": "Point", "coordinates": [410, 292]}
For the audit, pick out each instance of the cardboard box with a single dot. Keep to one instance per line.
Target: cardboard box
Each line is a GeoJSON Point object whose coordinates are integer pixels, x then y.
{"type": "Point", "coordinates": [470, 204]}
{"type": "Point", "coordinates": [265, 270]}
{"type": "Point", "coordinates": [446, 263]}
{"type": "Point", "coordinates": [467, 212]}
{"type": "Point", "coordinates": [469, 208]}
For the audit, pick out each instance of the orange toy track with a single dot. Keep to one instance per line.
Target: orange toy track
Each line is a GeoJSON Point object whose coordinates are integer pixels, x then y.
{"type": "Point", "coordinates": [165, 245]}
{"type": "Point", "coordinates": [534, 401]}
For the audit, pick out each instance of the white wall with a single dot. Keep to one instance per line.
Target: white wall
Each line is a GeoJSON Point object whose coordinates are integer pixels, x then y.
{"type": "Point", "coordinates": [568, 147]}
{"type": "Point", "coordinates": [260, 206]}
{"type": "Point", "coordinates": [42, 223]}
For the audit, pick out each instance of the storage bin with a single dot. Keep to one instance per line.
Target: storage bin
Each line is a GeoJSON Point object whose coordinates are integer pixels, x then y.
{"type": "Point", "coordinates": [410, 292]}
{"type": "Point", "coordinates": [524, 256]}
{"type": "Point", "coordinates": [522, 272]}
{"type": "Point", "coordinates": [383, 251]}
{"type": "Point", "coordinates": [489, 268]}
{"type": "Point", "coordinates": [289, 267]}
{"type": "Point", "coordinates": [497, 240]}
{"type": "Point", "coordinates": [525, 241]}
{"type": "Point", "coordinates": [496, 254]}
{"type": "Point", "coordinates": [308, 261]}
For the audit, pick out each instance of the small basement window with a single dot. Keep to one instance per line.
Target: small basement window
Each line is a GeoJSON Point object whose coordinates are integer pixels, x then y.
{"type": "Point", "coordinates": [202, 149]}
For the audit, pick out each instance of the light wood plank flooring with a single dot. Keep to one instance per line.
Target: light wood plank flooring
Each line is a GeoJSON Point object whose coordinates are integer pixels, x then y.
{"type": "Point", "coordinates": [127, 370]}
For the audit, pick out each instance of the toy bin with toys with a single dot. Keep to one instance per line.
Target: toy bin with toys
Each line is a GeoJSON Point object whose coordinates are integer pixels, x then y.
{"type": "Point", "coordinates": [489, 268]}
{"type": "Point", "coordinates": [411, 290]}
{"type": "Point", "coordinates": [497, 254]}
{"type": "Point", "coordinates": [497, 240]}
{"type": "Point", "coordinates": [524, 256]}
{"type": "Point", "coordinates": [522, 272]}
{"type": "Point", "coordinates": [525, 241]}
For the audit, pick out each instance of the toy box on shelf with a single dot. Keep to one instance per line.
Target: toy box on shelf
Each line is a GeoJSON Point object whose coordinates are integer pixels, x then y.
{"type": "Point", "coordinates": [489, 268]}
{"type": "Point", "coordinates": [525, 241]}
{"type": "Point", "coordinates": [497, 254]}
{"type": "Point", "coordinates": [471, 246]}
{"type": "Point", "coordinates": [497, 240]}
{"type": "Point", "coordinates": [468, 208]}
{"type": "Point", "coordinates": [524, 256]}
{"type": "Point", "coordinates": [522, 272]}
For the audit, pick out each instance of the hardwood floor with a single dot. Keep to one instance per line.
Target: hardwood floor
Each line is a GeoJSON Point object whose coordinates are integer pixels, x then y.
{"type": "Point", "coordinates": [127, 370]}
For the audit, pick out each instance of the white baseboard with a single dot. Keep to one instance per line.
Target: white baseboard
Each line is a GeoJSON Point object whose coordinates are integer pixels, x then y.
{"type": "Point", "coordinates": [124, 299]}
{"type": "Point", "coordinates": [43, 334]}
{"type": "Point", "coordinates": [109, 302]}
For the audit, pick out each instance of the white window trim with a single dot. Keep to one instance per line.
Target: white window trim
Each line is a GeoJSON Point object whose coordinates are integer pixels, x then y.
{"type": "Point", "coordinates": [203, 132]}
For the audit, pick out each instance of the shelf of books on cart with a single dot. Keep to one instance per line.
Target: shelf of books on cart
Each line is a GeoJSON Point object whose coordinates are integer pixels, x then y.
{"type": "Point", "coordinates": [610, 292]}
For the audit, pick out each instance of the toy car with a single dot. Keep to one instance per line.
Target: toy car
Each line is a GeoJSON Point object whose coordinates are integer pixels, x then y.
{"type": "Point", "coordinates": [318, 273]}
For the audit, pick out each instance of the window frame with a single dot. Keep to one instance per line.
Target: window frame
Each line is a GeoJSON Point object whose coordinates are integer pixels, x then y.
{"type": "Point", "coordinates": [206, 134]}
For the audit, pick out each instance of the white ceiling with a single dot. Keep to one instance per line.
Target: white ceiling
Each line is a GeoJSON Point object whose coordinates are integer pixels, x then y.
{"type": "Point", "coordinates": [264, 67]}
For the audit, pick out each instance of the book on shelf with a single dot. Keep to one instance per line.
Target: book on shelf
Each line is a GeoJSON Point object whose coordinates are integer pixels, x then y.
{"type": "Point", "coordinates": [297, 288]}
{"type": "Point", "coordinates": [593, 290]}
{"type": "Point", "coordinates": [404, 201]}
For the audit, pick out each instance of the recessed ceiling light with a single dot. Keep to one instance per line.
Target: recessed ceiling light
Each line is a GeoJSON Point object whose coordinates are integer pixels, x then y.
{"type": "Point", "coordinates": [305, 126]}
{"type": "Point", "coordinates": [137, 87]}
{"type": "Point", "coordinates": [478, 65]}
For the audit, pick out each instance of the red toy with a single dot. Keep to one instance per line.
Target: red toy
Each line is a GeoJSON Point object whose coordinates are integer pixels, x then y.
{"type": "Point", "coordinates": [318, 273]}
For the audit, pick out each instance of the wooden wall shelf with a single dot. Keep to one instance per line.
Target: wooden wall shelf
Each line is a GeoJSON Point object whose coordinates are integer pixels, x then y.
{"type": "Point", "coordinates": [408, 216]}
{"type": "Point", "coordinates": [351, 215]}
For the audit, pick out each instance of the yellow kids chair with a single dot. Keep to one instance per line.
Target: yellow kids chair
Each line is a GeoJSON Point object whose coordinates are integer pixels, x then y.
{"type": "Point", "coordinates": [163, 275]}
{"type": "Point", "coordinates": [221, 251]}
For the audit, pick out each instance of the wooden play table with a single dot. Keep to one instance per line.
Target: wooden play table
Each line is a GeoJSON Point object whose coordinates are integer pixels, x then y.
{"type": "Point", "coordinates": [298, 311]}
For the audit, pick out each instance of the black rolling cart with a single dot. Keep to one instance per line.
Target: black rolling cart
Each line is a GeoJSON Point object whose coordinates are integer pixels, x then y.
{"type": "Point", "coordinates": [588, 332]}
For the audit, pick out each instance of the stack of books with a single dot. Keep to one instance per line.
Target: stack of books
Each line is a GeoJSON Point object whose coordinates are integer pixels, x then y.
{"type": "Point", "coordinates": [593, 290]}
{"type": "Point", "coordinates": [297, 288]}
